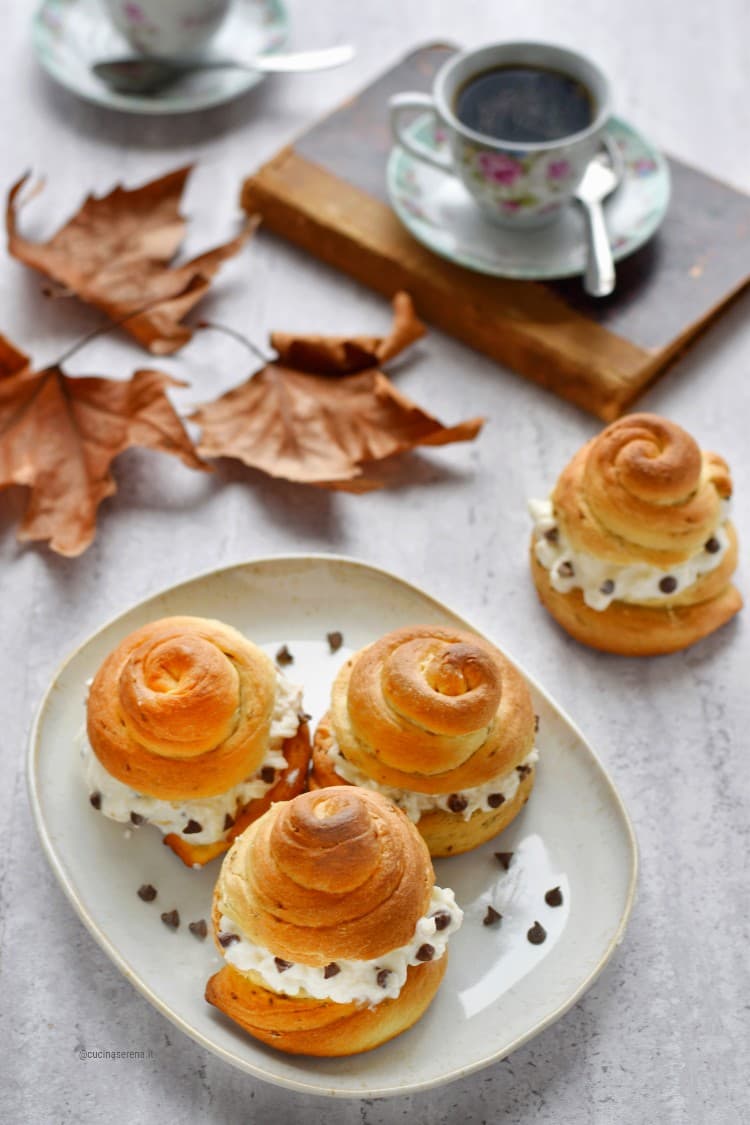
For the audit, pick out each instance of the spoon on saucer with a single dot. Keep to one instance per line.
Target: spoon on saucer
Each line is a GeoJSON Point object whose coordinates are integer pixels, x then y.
{"type": "Point", "coordinates": [149, 75]}
{"type": "Point", "coordinates": [600, 179]}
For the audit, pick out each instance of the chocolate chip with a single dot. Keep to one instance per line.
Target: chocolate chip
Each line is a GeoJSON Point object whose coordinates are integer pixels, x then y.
{"type": "Point", "coordinates": [284, 656]}
{"type": "Point", "coordinates": [136, 818]}
{"type": "Point", "coordinates": [382, 977]}
{"type": "Point", "coordinates": [523, 771]}
{"type": "Point", "coordinates": [268, 774]}
{"type": "Point", "coordinates": [304, 717]}
{"type": "Point", "coordinates": [147, 892]}
{"type": "Point", "coordinates": [554, 897]}
{"type": "Point", "coordinates": [331, 970]}
{"type": "Point", "coordinates": [442, 919]}
{"type": "Point", "coordinates": [491, 917]}
{"type": "Point", "coordinates": [282, 965]}
{"type": "Point", "coordinates": [668, 585]}
{"type": "Point", "coordinates": [191, 827]}
{"type": "Point", "coordinates": [457, 803]}
{"type": "Point", "coordinates": [227, 939]}
{"type": "Point", "coordinates": [552, 534]}
{"type": "Point", "coordinates": [425, 952]}
{"type": "Point", "coordinates": [537, 934]}
{"type": "Point", "coordinates": [504, 858]}
{"type": "Point", "coordinates": [712, 545]}
{"type": "Point", "coordinates": [228, 822]}
{"type": "Point", "coordinates": [565, 569]}
{"type": "Point", "coordinates": [96, 800]}
{"type": "Point", "coordinates": [607, 586]}
{"type": "Point", "coordinates": [200, 929]}
{"type": "Point", "coordinates": [495, 800]}
{"type": "Point", "coordinates": [335, 641]}
{"type": "Point", "coordinates": [536, 724]}
{"type": "Point", "coordinates": [171, 918]}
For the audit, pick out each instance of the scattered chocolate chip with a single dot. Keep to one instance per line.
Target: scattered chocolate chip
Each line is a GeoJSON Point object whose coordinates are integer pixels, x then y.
{"type": "Point", "coordinates": [284, 656]}
{"type": "Point", "coordinates": [712, 545]}
{"type": "Point", "coordinates": [536, 724]}
{"type": "Point", "coordinates": [523, 771]}
{"type": "Point", "coordinates": [457, 803]}
{"type": "Point", "coordinates": [554, 897]}
{"type": "Point", "coordinates": [304, 717]}
{"type": "Point", "coordinates": [96, 800]}
{"type": "Point", "coordinates": [227, 939]}
{"type": "Point", "coordinates": [200, 929]}
{"type": "Point", "coordinates": [504, 858]}
{"type": "Point", "coordinates": [282, 965]}
{"type": "Point", "coordinates": [228, 822]}
{"type": "Point", "coordinates": [382, 977]}
{"type": "Point", "coordinates": [335, 641]}
{"type": "Point", "coordinates": [607, 586]}
{"type": "Point", "coordinates": [442, 919]}
{"type": "Point", "coordinates": [668, 585]}
{"type": "Point", "coordinates": [552, 534]}
{"type": "Point", "coordinates": [537, 934]}
{"type": "Point", "coordinates": [495, 800]}
{"type": "Point", "coordinates": [565, 569]}
{"type": "Point", "coordinates": [136, 818]}
{"type": "Point", "coordinates": [331, 970]}
{"type": "Point", "coordinates": [147, 892]}
{"type": "Point", "coordinates": [171, 918]}
{"type": "Point", "coordinates": [191, 827]}
{"type": "Point", "coordinates": [268, 774]}
{"type": "Point", "coordinates": [425, 952]}
{"type": "Point", "coordinates": [491, 917]}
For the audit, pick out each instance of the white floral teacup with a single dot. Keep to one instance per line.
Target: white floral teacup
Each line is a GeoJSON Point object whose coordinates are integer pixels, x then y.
{"type": "Point", "coordinates": [167, 28]}
{"type": "Point", "coordinates": [515, 184]}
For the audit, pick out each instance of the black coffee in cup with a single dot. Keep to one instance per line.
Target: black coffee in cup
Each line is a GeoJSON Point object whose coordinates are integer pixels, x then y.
{"type": "Point", "coordinates": [524, 104]}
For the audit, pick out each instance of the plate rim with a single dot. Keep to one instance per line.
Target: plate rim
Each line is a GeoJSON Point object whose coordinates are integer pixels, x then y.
{"type": "Point", "coordinates": [397, 153]}
{"type": "Point", "coordinates": [134, 978]}
{"type": "Point", "coordinates": [140, 106]}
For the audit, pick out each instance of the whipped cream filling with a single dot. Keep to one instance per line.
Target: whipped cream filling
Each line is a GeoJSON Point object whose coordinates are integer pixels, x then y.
{"type": "Point", "coordinates": [346, 981]}
{"type": "Point", "coordinates": [201, 820]}
{"type": "Point", "coordinates": [464, 802]}
{"type": "Point", "coordinates": [602, 582]}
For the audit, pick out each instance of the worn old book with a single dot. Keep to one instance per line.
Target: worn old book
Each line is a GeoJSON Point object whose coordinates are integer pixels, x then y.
{"type": "Point", "coordinates": [326, 192]}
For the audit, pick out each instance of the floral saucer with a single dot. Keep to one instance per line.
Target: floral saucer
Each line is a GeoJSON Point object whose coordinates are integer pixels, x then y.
{"type": "Point", "coordinates": [70, 35]}
{"type": "Point", "coordinates": [436, 208]}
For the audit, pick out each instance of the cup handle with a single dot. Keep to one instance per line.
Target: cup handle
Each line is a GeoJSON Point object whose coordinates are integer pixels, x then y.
{"type": "Point", "coordinates": [402, 103]}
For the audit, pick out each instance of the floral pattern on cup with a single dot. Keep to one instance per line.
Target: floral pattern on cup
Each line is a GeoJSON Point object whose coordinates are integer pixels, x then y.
{"type": "Point", "coordinates": [517, 182]}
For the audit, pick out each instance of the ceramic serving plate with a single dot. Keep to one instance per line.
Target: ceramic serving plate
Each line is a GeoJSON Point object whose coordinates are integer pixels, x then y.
{"type": "Point", "coordinates": [499, 989]}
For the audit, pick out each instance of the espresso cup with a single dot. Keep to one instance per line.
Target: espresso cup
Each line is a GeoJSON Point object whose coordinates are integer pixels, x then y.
{"type": "Point", "coordinates": [167, 28]}
{"type": "Point", "coordinates": [517, 184]}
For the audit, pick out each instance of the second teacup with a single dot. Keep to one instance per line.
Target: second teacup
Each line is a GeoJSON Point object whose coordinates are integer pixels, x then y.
{"type": "Point", "coordinates": [167, 28]}
{"type": "Point", "coordinates": [522, 119]}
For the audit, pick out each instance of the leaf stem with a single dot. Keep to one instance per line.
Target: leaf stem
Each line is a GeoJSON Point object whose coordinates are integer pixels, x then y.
{"type": "Point", "coordinates": [240, 338]}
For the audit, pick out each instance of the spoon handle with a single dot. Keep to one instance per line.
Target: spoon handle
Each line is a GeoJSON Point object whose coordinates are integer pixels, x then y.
{"type": "Point", "coordinates": [286, 63]}
{"type": "Point", "coordinates": [599, 276]}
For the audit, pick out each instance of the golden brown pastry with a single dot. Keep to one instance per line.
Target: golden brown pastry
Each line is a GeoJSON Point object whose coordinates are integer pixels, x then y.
{"type": "Point", "coordinates": [333, 932]}
{"type": "Point", "coordinates": [634, 552]}
{"type": "Point", "coordinates": [439, 721]}
{"type": "Point", "coordinates": [191, 728]}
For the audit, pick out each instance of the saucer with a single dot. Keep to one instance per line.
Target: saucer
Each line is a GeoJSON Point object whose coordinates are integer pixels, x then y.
{"type": "Point", "coordinates": [436, 208]}
{"type": "Point", "coordinates": [70, 35]}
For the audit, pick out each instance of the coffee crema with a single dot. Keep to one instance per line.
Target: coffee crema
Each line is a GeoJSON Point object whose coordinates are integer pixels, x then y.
{"type": "Point", "coordinates": [524, 104]}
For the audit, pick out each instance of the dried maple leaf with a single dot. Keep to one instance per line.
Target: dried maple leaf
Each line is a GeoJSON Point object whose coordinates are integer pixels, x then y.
{"type": "Point", "coordinates": [307, 427]}
{"type": "Point", "coordinates": [59, 436]}
{"type": "Point", "coordinates": [114, 253]}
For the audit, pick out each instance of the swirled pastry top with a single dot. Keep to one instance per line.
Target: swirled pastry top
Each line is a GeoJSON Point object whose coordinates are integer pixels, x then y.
{"type": "Point", "coordinates": [433, 710]}
{"type": "Point", "coordinates": [641, 491]}
{"type": "Point", "coordinates": [337, 872]}
{"type": "Point", "coordinates": [182, 707]}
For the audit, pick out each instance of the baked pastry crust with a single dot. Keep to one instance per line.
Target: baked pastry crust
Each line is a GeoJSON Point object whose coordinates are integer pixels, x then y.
{"type": "Point", "coordinates": [642, 491]}
{"type": "Point", "coordinates": [433, 711]}
{"type": "Point", "coordinates": [340, 873]}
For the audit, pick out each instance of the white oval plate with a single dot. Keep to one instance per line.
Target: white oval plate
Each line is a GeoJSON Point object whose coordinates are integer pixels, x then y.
{"type": "Point", "coordinates": [499, 989]}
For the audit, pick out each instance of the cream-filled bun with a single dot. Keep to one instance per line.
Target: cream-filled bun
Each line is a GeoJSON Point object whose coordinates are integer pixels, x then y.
{"type": "Point", "coordinates": [191, 728]}
{"type": "Point", "coordinates": [634, 551]}
{"type": "Point", "coordinates": [440, 722]}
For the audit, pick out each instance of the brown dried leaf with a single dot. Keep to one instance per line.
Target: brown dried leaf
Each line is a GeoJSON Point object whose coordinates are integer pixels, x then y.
{"type": "Point", "coordinates": [310, 428]}
{"type": "Point", "coordinates": [114, 253]}
{"type": "Point", "coordinates": [59, 436]}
